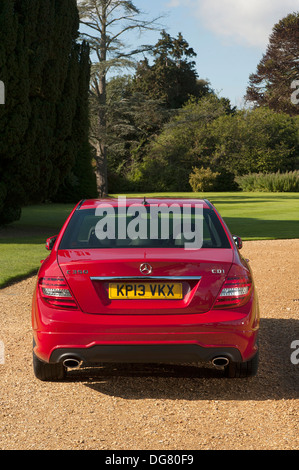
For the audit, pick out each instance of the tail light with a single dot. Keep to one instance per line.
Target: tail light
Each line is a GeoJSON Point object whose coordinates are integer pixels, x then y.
{"type": "Point", "coordinates": [235, 292]}
{"type": "Point", "coordinates": [55, 292]}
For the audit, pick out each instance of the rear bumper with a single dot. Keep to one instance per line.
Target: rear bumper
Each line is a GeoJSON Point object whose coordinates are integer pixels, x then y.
{"type": "Point", "coordinates": [145, 338]}
{"type": "Point", "coordinates": [173, 353]}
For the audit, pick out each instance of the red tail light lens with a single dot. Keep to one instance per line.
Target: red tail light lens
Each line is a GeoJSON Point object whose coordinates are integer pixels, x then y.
{"type": "Point", "coordinates": [235, 292]}
{"type": "Point", "coordinates": [55, 292]}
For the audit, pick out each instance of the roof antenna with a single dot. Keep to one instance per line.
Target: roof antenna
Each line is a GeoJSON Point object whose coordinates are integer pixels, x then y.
{"type": "Point", "coordinates": [145, 203]}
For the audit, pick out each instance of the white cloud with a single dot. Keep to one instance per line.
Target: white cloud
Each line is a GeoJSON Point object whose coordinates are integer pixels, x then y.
{"type": "Point", "coordinates": [173, 3]}
{"type": "Point", "coordinates": [248, 22]}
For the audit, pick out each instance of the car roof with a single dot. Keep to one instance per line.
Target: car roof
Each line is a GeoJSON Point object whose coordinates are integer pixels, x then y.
{"type": "Point", "coordinates": [114, 202]}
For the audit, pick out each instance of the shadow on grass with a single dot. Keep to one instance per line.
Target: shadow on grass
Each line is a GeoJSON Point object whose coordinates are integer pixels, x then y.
{"type": "Point", "coordinates": [250, 228]}
{"type": "Point", "coordinates": [253, 197]}
{"type": "Point", "coordinates": [36, 224]}
{"type": "Point", "coordinates": [277, 378]}
{"type": "Point", "coordinates": [26, 236]}
{"type": "Point", "coordinates": [18, 278]}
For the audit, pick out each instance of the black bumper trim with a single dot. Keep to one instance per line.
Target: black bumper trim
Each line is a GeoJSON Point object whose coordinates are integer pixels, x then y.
{"type": "Point", "coordinates": [172, 353]}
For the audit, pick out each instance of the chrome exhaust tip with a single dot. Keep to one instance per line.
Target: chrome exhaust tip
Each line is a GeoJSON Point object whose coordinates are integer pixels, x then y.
{"type": "Point", "coordinates": [220, 362]}
{"type": "Point", "coordinates": [71, 363]}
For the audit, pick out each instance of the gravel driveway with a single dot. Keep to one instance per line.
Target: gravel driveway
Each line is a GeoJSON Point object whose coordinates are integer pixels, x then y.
{"type": "Point", "coordinates": [160, 407]}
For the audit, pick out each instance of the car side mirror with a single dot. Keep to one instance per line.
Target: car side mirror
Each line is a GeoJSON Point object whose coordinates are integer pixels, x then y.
{"type": "Point", "coordinates": [238, 241]}
{"type": "Point", "coordinates": [50, 242]}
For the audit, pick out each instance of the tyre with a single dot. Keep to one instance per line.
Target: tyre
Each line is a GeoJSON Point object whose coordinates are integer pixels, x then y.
{"type": "Point", "coordinates": [48, 372]}
{"type": "Point", "coordinates": [240, 370]}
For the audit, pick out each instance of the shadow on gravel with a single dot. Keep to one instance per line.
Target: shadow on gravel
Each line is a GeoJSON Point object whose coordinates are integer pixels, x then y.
{"type": "Point", "coordinates": [277, 378]}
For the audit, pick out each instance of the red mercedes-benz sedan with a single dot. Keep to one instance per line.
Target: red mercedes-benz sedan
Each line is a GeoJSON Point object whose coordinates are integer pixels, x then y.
{"type": "Point", "coordinates": [144, 281]}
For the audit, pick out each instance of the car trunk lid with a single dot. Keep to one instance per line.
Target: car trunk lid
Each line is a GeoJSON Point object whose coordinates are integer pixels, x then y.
{"type": "Point", "coordinates": [175, 281]}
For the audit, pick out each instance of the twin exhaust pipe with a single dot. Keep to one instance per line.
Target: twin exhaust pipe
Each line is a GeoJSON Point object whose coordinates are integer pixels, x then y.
{"type": "Point", "coordinates": [71, 362]}
{"type": "Point", "coordinates": [218, 362]}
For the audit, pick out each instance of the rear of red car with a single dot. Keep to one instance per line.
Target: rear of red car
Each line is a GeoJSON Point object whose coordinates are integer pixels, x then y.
{"type": "Point", "coordinates": [121, 298]}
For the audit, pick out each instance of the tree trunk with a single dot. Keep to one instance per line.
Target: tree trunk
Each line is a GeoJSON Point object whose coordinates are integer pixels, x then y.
{"type": "Point", "coordinates": [101, 170]}
{"type": "Point", "coordinates": [101, 150]}
{"type": "Point", "coordinates": [101, 16]}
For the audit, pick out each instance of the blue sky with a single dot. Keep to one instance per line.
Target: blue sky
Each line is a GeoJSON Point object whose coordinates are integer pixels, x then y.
{"type": "Point", "coordinates": [229, 36]}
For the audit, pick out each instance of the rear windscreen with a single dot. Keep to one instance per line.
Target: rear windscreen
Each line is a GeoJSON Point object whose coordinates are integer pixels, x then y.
{"type": "Point", "coordinates": [121, 228]}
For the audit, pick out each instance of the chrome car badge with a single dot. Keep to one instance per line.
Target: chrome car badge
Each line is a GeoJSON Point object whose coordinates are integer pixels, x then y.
{"type": "Point", "coordinates": [146, 269]}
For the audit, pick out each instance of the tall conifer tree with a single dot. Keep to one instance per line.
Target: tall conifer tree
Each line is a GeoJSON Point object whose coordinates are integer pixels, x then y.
{"type": "Point", "coordinates": [40, 66]}
{"type": "Point", "coordinates": [271, 85]}
{"type": "Point", "coordinates": [172, 77]}
{"type": "Point", "coordinates": [14, 115]}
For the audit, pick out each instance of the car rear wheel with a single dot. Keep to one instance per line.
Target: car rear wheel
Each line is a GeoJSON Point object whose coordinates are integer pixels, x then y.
{"type": "Point", "coordinates": [48, 372]}
{"type": "Point", "coordinates": [242, 369]}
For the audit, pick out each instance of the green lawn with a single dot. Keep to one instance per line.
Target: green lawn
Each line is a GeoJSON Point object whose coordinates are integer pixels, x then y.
{"type": "Point", "coordinates": [252, 216]}
{"type": "Point", "coordinates": [22, 244]}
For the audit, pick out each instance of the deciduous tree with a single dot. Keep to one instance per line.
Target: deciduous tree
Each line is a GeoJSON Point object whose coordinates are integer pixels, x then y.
{"type": "Point", "coordinates": [106, 24]}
